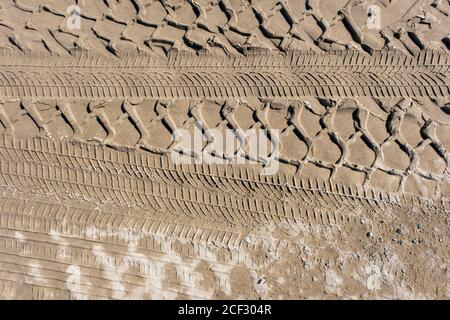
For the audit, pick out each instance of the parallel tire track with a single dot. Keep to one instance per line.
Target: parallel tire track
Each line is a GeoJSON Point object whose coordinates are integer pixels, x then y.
{"type": "Point", "coordinates": [45, 216]}
{"type": "Point", "coordinates": [235, 182]}
{"type": "Point", "coordinates": [265, 75]}
{"type": "Point", "coordinates": [124, 191]}
{"type": "Point", "coordinates": [56, 237]}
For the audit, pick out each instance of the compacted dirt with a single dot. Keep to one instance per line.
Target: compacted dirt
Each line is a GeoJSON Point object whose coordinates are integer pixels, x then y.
{"type": "Point", "coordinates": [94, 205]}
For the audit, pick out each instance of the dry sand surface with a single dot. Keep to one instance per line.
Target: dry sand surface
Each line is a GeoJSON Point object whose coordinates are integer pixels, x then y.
{"type": "Point", "coordinates": [354, 107]}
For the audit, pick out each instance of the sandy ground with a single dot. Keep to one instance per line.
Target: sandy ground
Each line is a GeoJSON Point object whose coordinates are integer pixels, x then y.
{"type": "Point", "coordinates": [94, 95]}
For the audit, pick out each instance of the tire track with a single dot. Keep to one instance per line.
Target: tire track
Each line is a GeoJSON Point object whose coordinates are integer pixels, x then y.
{"type": "Point", "coordinates": [236, 182]}
{"type": "Point", "coordinates": [126, 191]}
{"type": "Point", "coordinates": [265, 75]}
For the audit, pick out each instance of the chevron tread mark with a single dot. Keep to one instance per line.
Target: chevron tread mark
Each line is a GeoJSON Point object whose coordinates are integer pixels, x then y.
{"type": "Point", "coordinates": [233, 181]}
{"type": "Point", "coordinates": [326, 75]}
{"type": "Point", "coordinates": [126, 191]}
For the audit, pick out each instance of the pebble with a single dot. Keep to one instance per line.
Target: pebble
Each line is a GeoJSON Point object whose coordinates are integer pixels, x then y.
{"type": "Point", "coordinates": [306, 264]}
{"type": "Point", "coordinates": [369, 234]}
